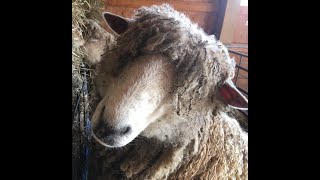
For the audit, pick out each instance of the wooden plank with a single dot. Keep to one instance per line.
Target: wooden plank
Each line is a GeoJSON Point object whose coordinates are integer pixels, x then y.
{"type": "Point", "coordinates": [243, 9]}
{"type": "Point", "coordinates": [239, 49]}
{"type": "Point", "coordinates": [217, 28]}
{"type": "Point", "coordinates": [204, 20]}
{"type": "Point", "coordinates": [210, 22]}
{"type": "Point", "coordinates": [178, 5]}
{"type": "Point", "coordinates": [201, 1]}
{"type": "Point", "coordinates": [241, 32]}
{"type": "Point", "coordinates": [122, 11]}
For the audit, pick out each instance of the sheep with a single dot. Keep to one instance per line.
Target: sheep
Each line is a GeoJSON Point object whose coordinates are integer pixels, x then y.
{"type": "Point", "coordinates": [164, 90]}
{"type": "Point", "coordinates": [95, 42]}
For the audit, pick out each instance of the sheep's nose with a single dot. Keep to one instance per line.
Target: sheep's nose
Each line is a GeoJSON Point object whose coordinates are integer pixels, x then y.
{"type": "Point", "coordinates": [103, 130]}
{"type": "Point", "coordinates": [100, 132]}
{"type": "Point", "coordinates": [126, 130]}
{"type": "Point", "coordinates": [106, 130]}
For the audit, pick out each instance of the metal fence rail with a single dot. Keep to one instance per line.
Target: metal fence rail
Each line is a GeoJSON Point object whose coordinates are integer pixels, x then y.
{"type": "Point", "coordinates": [238, 67]}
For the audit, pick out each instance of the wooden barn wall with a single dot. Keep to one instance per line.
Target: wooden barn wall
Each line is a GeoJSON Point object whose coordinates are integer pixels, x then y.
{"type": "Point", "coordinates": [241, 32]}
{"type": "Point", "coordinates": [203, 12]}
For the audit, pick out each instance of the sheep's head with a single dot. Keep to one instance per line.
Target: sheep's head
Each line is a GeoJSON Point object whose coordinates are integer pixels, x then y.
{"type": "Point", "coordinates": [132, 100]}
{"type": "Point", "coordinates": [133, 97]}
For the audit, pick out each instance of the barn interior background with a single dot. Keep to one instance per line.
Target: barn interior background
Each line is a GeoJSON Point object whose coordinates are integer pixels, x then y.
{"type": "Point", "coordinates": [226, 19]}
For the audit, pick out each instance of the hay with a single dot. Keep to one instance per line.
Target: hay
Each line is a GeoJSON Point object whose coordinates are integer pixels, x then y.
{"type": "Point", "coordinates": [83, 11]}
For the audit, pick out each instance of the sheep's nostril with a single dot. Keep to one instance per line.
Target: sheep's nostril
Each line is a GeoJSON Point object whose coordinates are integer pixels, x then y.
{"type": "Point", "coordinates": [126, 130]}
{"type": "Point", "coordinates": [100, 132]}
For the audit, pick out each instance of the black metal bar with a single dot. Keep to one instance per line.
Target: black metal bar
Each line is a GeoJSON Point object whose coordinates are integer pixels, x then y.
{"type": "Point", "coordinates": [240, 60]}
{"type": "Point", "coordinates": [243, 76]}
{"type": "Point", "coordinates": [238, 66]}
{"type": "Point", "coordinates": [244, 112]}
{"type": "Point", "coordinates": [242, 90]}
{"type": "Point", "coordinates": [242, 68]}
{"type": "Point", "coordinates": [238, 53]}
{"type": "Point", "coordinates": [237, 74]}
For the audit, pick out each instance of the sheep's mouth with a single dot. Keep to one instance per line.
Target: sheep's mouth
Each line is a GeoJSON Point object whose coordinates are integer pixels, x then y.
{"type": "Point", "coordinates": [110, 142]}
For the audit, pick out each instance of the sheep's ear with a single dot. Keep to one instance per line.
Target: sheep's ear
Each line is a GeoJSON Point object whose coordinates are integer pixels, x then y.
{"type": "Point", "coordinates": [117, 24]}
{"type": "Point", "coordinates": [232, 96]}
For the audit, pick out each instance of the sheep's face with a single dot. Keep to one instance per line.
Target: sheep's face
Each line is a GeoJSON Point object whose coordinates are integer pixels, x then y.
{"type": "Point", "coordinates": [135, 95]}
{"type": "Point", "coordinates": [131, 100]}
